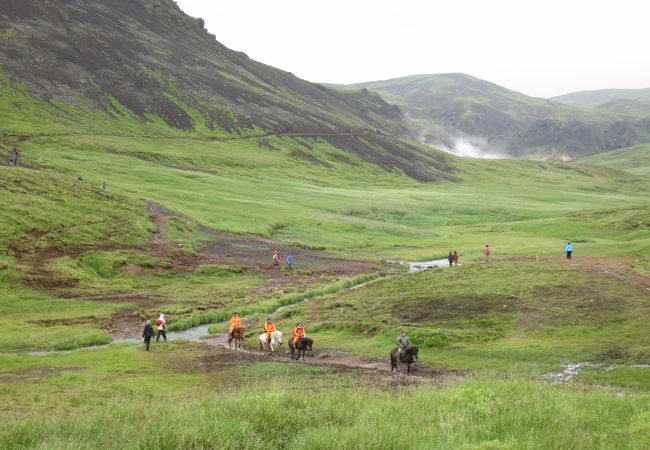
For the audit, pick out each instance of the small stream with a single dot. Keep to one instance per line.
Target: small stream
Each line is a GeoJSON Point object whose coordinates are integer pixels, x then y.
{"type": "Point", "coordinates": [426, 265]}
{"type": "Point", "coordinates": [572, 370]}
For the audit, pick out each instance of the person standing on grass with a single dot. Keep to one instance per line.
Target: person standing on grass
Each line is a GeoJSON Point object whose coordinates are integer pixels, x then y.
{"type": "Point", "coordinates": [450, 258]}
{"type": "Point", "coordinates": [569, 250]}
{"type": "Point", "coordinates": [290, 262]}
{"type": "Point", "coordinates": [486, 251]}
{"type": "Point", "coordinates": [160, 325]}
{"type": "Point", "coordinates": [147, 334]}
{"type": "Point", "coordinates": [455, 258]}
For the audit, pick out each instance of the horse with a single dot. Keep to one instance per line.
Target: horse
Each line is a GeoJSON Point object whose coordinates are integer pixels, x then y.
{"type": "Point", "coordinates": [409, 355]}
{"type": "Point", "coordinates": [276, 341]}
{"type": "Point", "coordinates": [302, 344]}
{"type": "Point", "coordinates": [237, 335]}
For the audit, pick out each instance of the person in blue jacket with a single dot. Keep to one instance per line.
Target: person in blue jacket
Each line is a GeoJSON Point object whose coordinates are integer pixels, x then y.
{"type": "Point", "coordinates": [569, 250]}
{"type": "Point", "coordinates": [290, 262]}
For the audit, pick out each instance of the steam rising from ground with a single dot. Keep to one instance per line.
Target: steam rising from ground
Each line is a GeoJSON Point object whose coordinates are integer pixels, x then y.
{"type": "Point", "coordinates": [469, 147]}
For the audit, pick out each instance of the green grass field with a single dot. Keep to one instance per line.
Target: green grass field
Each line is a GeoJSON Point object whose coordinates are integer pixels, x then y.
{"type": "Point", "coordinates": [80, 266]}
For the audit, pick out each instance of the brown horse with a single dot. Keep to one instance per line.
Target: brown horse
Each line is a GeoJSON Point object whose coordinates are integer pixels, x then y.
{"type": "Point", "coordinates": [409, 355]}
{"type": "Point", "coordinates": [237, 335]}
{"type": "Point", "coordinates": [302, 344]}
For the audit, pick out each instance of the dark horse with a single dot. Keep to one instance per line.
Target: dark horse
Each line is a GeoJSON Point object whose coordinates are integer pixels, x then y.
{"type": "Point", "coordinates": [409, 355]}
{"type": "Point", "coordinates": [238, 335]}
{"type": "Point", "coordinates": [302, 344]}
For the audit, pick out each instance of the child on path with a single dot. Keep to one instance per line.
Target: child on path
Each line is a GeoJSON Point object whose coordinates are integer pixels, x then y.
{"type": "Point", "coordinates": [160, 324]}
{"type": "Point", "coordinates": [450, 258]}
{"type": "Point", "coordinates": [276, 259]}
{"type": "Point", "coordinates": [147, 334]}
{"type": "Point", "coordinates": [290, 262]}
{"type": "Point", "coordinates": [487, 250]}
{"type": "Point", "coordinates": [455, 258]}
{"type": "Point", "coordinates": [569, 250]}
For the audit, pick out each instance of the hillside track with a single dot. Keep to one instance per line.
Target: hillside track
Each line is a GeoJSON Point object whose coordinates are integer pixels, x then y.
{"type": "Point", "coordinates": [341, 361]}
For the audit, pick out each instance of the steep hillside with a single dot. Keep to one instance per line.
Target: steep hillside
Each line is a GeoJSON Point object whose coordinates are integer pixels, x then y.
{"type": "Point", "coordinates": [144, 66]}
{"type": "Point", "coordinates": [456, 109]}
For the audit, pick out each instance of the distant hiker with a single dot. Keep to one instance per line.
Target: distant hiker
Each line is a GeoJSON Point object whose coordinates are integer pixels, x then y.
{"type": "Point", "coordinates": [276, 259]}
{"type": "Point", "coordinates": [569, 250]}
{"type": "Point", "coordinates": [290, 262]}
{"type": "Point", "coordinates": [455, 258]}
{"type": "Point", "coordinates": [402, 343]}
{"type": "Point", "coordinates": [103, 185]}
{"type": "Point", "coordinates": [450, 257]}
{"type": "Point", "coordinates": [235, 321]}
{"type": "Point", "coordinates": [160, 325]}
{"type": "Point", "coordinates": [269, 327]}
{"type": "Point", "coordinates": [147, 334]}
{"type": "Point", "coordinates": [13, 158]}
{"type": "Point", "coordinates": [487, 250]}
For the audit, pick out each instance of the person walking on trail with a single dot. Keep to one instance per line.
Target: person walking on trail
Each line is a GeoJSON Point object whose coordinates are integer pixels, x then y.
{"type": "Point", "coordinates": [269, 327]}
{"type": "Point", "coordinates": [147, 334]}
{"type": "Point", "coordinates": [402, 343]}
{"type": "Point", "coordinates": [298, 332]}
{"type": "Point", "coordinates": [160, 325]}
{"type": "Point", "coordinates": [276, 259]}
{"type": "Point", "coordinates": [450, 258]}
{"type": "Point", "coordinates": [13, 158]}
{"type": "Point", "coordinates": [290, 262]}
{"type": "Point", "coordinates": [235, 321]}
{"type": "Point", "coordinates": [455, 258]}
{"type": "Point", "coordinates": [569, 250]}
{"type": "Point", "coordinates": [486, 251]}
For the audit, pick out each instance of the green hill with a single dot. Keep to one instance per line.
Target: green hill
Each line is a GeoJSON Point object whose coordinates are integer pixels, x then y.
{"type": "Point", "coordinates": [450, 108]}
{"type": "Point", "coordinates": [635, 159]}
{"type": "Point", "coordinates": [594, 99]}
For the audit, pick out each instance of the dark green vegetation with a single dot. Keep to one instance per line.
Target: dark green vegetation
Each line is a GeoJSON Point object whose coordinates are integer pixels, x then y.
{"type": "Point", "coordinates": [449, 107]}
{"type": "Point", "coordinates": [194, 207]}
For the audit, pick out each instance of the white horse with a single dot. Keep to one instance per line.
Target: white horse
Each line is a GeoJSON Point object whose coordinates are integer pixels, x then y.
{"type": "Point", "coordinates": [276, 341]}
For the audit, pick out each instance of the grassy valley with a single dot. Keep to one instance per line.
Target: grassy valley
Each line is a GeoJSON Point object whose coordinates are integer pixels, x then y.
{"type": "Point", "coordinates": [116, 214]}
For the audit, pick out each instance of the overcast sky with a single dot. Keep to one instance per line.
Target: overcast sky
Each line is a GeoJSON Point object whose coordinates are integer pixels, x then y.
{"type": "Point", "coordinates": [540, 48]}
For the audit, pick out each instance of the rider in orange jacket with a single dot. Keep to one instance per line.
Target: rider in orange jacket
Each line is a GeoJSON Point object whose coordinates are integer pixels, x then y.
{"type": "Point", "coordinates": [235, 321]}
{"type": "Point", "coordinates": [298, 332]}
{"type": "Point", "coordinates": [269, 327]}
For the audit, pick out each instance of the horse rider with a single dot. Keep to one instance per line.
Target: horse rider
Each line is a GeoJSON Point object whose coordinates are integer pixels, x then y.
{"type": "Point", "coordinates": [298, 332]}
{"type": "Point", "coordinates": [402, 343]}
{"type": "Point", "coordinates": [269, 327]}
{"type": "Point", "coordinates": [235, 321]}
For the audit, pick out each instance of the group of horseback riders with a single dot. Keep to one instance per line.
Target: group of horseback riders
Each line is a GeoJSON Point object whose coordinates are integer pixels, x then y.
{"type": "Point", "coordinates": [269, 327]}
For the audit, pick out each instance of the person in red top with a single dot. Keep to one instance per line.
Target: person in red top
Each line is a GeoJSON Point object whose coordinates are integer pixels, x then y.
{"type": "Point", "coordinates": [269, 327]}
{"type": "Point", "coordinates": [298, 332]}
{"type": "Point", "coordinates": [235, 321]}
{"type": "Point", "coordinates": [455, 258]}
{"type": "Point", "coordinates": [487, 250]}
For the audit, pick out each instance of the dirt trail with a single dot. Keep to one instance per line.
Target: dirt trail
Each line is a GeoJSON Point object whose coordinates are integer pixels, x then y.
{"type": "Point", "coordinates": [330, 357]}
{"type": "Point", "coordinates": [609, 267]}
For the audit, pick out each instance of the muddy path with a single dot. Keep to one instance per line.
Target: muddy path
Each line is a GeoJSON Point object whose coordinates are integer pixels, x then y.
{"type": "Point", "coordinates": [614, 268]}
{"type": "Point", "coordinates": [253, 252]}
{"type": "Point", "coordinates": [339, 360]}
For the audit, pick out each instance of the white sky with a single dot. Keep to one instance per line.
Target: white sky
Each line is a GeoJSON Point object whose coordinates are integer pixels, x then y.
{"type": "Point", "coordinates": [540, 48]}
